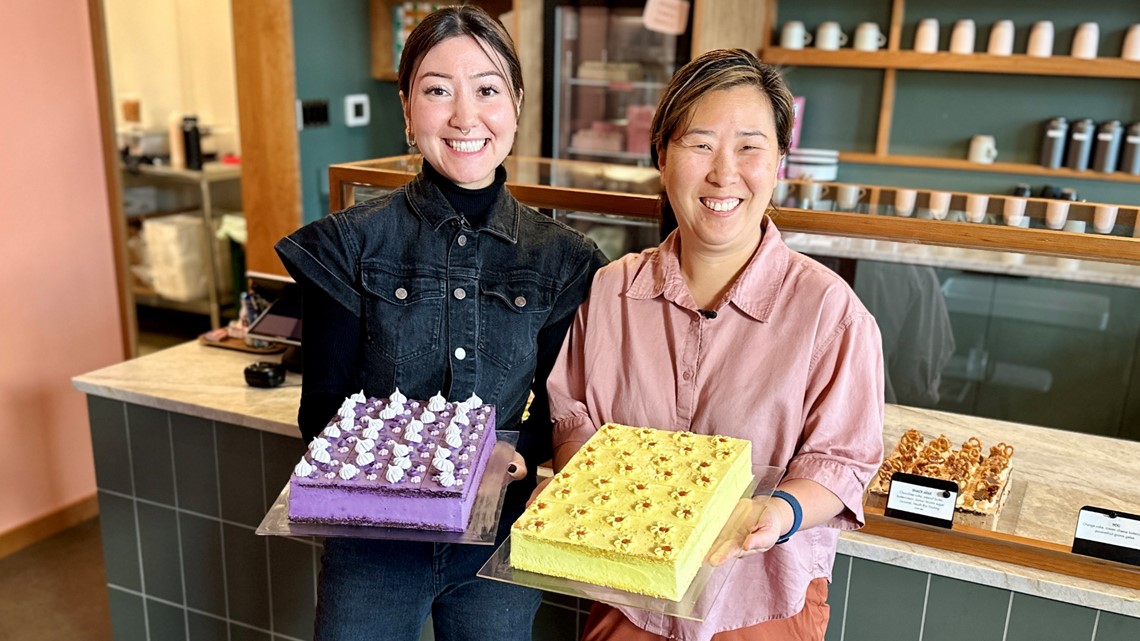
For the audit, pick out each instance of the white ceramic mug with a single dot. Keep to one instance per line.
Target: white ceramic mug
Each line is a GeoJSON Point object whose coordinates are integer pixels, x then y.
{"type": "Point", "coordinates": [1001, 38]}
{"type": "Point", "coordinates": [848, 196]}
{"type": "Point", "coordinates": [926, 36]}
{"type": "Point", "coordinates": [939, 204]}
{"type": "Point", "coordinates": [976, 205]}
{"type": "Point", "coordinates": [1131, 48]}
{"type": "Point", "coordinates": [794, 35]}
{"type": "Point", "coordinates": [1104, 218]}
{"type": "Point", "coordinates": [1040, 40]}
{"type": "Point", "coordinates": [868, 37]}
{"type": "Point", "coordinates": [812, 192]}
{"type": "Point", "coordinates": [829, 36]}
{"type": "Point", "coordinates": [1013, 211]}
{"type": "Point", "coordinates": [983, 149]}
{"type": "Point", "coordinates": [904, 201]}
{"type": "Point", "coordinates": [962, 37]}
{"type": "Point", "coordinates": [1056, 213]}
{"type": "Point", "coordinates": [1085, 41]}
{"type": "Point", "coordinates": [780, 193]}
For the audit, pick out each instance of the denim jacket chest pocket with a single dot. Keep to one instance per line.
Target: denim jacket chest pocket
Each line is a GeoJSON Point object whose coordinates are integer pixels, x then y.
{"type": "Point", "coordinates": [512, 310]}
{"type": "Point", "coordinates": [403, 312]}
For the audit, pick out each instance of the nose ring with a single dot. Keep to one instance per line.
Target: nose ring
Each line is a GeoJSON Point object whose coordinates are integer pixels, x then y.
{"type": "Point", "coordinates": [464, 131]}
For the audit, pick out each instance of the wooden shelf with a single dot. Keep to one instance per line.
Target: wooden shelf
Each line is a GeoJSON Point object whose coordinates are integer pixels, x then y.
{"type": "Point", "coordinates": [618, 85]}
{"type": "Point", "coordinates": [1008, 548]}
{"type": "Point", "coordinates": [1018, 64]}
{"type": "Point", "coordinates": [933, 162]}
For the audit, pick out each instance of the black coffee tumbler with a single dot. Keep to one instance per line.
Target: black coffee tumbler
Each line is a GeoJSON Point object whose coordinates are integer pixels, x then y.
{"type": "Point", "coordinates": [192, 142]}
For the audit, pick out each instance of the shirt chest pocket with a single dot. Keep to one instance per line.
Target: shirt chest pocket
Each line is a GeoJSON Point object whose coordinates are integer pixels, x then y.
{"type": "Point", "coordinates": [511, 312]}
{"type": "Point", "coordinates": [403, 313]}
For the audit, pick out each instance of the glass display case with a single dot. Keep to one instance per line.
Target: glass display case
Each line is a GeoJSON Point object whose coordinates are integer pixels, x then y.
{"type": "Point", "coordinates": [1023, 268]}
{"type": "Point", "coordinates": [608, 73]}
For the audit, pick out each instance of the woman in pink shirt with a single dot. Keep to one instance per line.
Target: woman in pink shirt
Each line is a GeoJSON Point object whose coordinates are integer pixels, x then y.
{"type": "Point", "coordinates": [724, 330]}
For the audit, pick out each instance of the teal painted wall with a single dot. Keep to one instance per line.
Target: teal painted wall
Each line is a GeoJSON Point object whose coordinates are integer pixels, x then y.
{"type": "Point", "coordinates": [332, 49]}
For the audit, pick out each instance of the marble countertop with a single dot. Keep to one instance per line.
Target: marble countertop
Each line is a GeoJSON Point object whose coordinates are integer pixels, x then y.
{"type": "Point", "coordinates": [980, 260]}
{"type": "Point", "coordinates": [1055, 472]}
{"type": "Point", "coordinates": [201, 381]}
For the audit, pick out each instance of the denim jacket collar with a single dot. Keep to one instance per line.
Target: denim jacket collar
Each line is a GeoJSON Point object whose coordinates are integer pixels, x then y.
{"type": "Point", "coordinates": [429, 203]}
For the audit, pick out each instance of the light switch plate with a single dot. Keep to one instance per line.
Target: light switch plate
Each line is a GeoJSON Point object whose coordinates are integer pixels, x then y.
{"type": "Point", "coordinates": [356, 112]}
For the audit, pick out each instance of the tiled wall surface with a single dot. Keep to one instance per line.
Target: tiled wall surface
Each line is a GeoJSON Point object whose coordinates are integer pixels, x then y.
{"type": "Point", "coordinates": [180, 498]}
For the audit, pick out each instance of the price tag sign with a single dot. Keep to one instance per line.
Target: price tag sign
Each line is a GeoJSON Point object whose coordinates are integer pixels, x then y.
{"type": "Point", "coordinates": [1108, 534]}
{"type": "Point", "coordinates": [922, 499]}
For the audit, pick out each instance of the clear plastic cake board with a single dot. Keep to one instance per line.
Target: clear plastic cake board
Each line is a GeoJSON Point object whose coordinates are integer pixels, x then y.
{"type": "Point", "coordinates": [480, 530]}
{"type": "Point", "coordinates": [704, 589]}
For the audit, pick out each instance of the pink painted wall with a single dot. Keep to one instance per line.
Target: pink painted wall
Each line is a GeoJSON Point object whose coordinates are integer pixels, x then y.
{"type": "Point", "coordinates": [58, 311]}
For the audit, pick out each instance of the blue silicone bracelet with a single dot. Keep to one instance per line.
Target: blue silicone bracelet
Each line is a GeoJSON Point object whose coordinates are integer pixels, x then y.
{"type": "Point", "coordinates": [797, 514]}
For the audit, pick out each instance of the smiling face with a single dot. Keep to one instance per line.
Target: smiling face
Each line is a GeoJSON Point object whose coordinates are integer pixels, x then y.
{"type": "Point", "coordinates": [461, 111]}
{"type": "Point", "coordinates": [719, 171]}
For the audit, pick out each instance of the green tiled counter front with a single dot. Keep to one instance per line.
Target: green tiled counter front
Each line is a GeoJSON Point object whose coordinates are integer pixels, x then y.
{"type": "Point", "coordinates": [180, 496]}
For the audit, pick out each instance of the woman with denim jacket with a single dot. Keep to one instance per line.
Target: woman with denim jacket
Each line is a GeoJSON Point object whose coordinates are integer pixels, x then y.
{"type": "Point", "coordinates": [450, 285]}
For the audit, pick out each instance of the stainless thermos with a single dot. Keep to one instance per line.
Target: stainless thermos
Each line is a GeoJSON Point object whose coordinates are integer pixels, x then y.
{"type": "Point", "coordinates": [1080, 144]}
{"type": "Point", "coordinates": [1130, 158]}
{"type": "Point", "coordinates": [1053, 143]}
{"type": "Point", "coordinates": [1106, 151]}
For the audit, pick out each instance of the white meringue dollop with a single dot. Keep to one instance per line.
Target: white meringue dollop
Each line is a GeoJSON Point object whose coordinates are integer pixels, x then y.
{"type": "Point", "coordinates": [365, 458]}
{"type": "Point", "coordinates": [348, 471]}
{"type": "Point", "coordinates": [394, 474]}
{"type": "Point", "coordinates": [437, 403]}
{"type": "Point", "coordinates": [304, 469]}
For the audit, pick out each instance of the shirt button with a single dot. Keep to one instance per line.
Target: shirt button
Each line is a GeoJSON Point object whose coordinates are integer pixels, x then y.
{"type": "Point", "coordinates": [401, 293]}
{"type": "Point", "coordinates": [460, 353]}
{"type": "Point", "coordinates": [462, 240]}
{"type": "Point", "coordinates": [520, 301]}
{"type": "Point", "coordinates": [460, 294]}
{"type": "Point", "coordinates": [687, 375]}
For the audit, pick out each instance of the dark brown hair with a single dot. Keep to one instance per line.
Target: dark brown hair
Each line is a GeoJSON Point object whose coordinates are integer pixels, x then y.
{"type": "Point", "coordinates": [450, 22]}
{"type": "Point", "coordinates": [715, 70]}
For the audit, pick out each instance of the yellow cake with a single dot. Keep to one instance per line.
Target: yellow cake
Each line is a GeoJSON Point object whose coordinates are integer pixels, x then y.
{"type": "Point", "coordinates": [635, 509]}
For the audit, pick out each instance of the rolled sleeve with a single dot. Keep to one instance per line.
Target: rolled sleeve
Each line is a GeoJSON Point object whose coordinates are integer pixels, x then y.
{"type": "Point", "coordinates": [325, 254]}
{"type": "Point", "coordinates": [843, 434]}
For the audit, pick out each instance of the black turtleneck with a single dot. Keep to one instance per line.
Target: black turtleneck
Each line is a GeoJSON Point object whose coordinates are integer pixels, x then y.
{"type": "Point", "coordinates": [472, 204]}
{"type": "Point", "coordinates": [333, 334]}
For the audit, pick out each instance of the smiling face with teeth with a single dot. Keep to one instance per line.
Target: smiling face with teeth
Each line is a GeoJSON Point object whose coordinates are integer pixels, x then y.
{"type": "Point", "coordinates": [719, 171]}
{"type": "Point", "coordinates": [462, 111]}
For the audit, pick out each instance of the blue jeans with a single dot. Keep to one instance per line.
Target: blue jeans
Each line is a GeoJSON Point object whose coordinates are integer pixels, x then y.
{"type": "Point", "coordinates": [377, 589]}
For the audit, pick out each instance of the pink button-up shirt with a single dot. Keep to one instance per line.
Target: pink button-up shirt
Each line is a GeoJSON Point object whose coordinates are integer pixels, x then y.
{"type": "Point", "coordinates": [792, 361]}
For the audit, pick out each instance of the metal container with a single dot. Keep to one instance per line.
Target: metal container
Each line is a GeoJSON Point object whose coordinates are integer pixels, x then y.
{"type": "Point", "coordinates": [1079, 150]}
{"type": "Point", "coordinates": [1130, 158]}
{"type": "Point", "coordinates": [1106, 151]}
{"type": "Point", "coordinates": [1053, 143]}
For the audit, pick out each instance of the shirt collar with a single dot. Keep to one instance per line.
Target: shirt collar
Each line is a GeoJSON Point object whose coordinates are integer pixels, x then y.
{"type": "Point", "coordinates": [754, 293]}
{"type": "Point", "coordinates": [429, 203]}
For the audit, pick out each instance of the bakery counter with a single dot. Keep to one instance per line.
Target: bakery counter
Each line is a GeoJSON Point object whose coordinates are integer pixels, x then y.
{"type": "Point", "coordinates": [201, 381]}
{"type": "Point", "coordinates": [1054, 474]}
{"type": "Point", "coordinates": [188, 459]}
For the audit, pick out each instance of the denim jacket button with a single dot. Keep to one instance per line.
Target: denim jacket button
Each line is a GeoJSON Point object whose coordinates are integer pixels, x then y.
{"type": "Point", "coordinates": [462, 240]}
{"type": "Point", "coordinates": [520, 301]}
{"type": "Point", "coordinates": [460, 353]}
{"type": "Point", "coordinates": [401, 293]}
{"type": "Point", "coordinates": [460, 294]}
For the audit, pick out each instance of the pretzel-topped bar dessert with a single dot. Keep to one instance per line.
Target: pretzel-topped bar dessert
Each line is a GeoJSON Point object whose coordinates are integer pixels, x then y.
{"type": "Point", "coordinates": [983, 480]}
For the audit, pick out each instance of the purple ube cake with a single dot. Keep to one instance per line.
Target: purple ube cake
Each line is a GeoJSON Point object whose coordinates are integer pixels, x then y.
{"type": "Point", "coordinates": [395, 462]}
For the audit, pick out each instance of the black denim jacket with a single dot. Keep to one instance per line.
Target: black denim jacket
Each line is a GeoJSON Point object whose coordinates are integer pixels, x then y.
{"type": "Point", "coordinates": [448, 308]}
